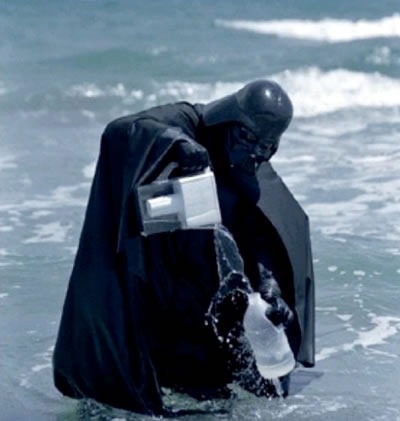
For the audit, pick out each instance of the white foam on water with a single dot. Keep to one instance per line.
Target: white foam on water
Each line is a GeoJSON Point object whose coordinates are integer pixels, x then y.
{"type": "Point", "coordinates": [384, 328]}
{"type": "Point", "coordinates": [45, 364]}
{"type": "Point", "coordinates": [344, 317]}
{"type": "Point", "coordinates": [40, 214]}
{"type": "Point", "coordinates": [326, 309]}
{"type": "Point", "coordinates": [41, 208]}
{"type": "Point", "coordinates": [383, 56]}
{"type": "Point", "coordinates": [296, 407]}
{"type": "Point", "coordinates": [39, 367]}
{"type": "Point", "coordinates": [394, 251]}
{"type": "Point", "coordinates": [322, 132]}
{"type": "Point", "coordinates": [315, 92]}
{"type": "Point", "coordinates": [193, 92]}
{"type": "Point", "coordinates": [7, 162]}
{"type": "Point", "coordinates": [93, 91]}
{"type": "Point", "coordinates": [312, 90]}
{"type": "Point", "coordinates": [53, 232]}
{"type": "Point", "coordinates": [71, 250]}
{"type": "Point", "coordinates": [324, 30]}
{"type": "Point", "coordinates": [373, 194]}
{"type": "Point", "coordinates": [3, 264]}
{"type": "Point", "coordinates": [299, 159]}
{"type": "Point", "coordinates": [390, 208]}
{"type": "Point", "coordinates": [24, 382]}
{"type": "Point", "coordinates": [90, 115]}
{"type": "Point", "coordinates": [347, 211]}
{"type": "Point", "coordinates": [3, 294]}
{"type": "Point", "coordinates": [88, 170]}
{"type": "Point", "coordinates": [359, 273]}
{"type": "Point", "coordinates": [62, 196]}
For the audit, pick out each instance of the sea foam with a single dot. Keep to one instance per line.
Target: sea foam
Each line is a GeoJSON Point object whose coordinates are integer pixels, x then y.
{"type": "Point", "coordinates": [325, 30]}
{"type": "Point", "coordinates": [53, 232]}
{"type": "Point", "coordinates": [7, 162]}
{"type": "Point", "coordinates": [383, 328]}
{"type": "Point", "coordinates": [312, 90]}
{"type": "Point", "coordinates": [316, 92]}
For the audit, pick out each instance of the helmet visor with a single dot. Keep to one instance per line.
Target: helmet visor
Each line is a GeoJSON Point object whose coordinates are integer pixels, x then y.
{"type": "Point", "coordinates": [258, 149]}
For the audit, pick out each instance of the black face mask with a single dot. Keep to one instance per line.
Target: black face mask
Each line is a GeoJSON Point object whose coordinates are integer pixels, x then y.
{"type": "Point", "coordinates": [242, 177]}
{"type": "Point", "coordinates": [245, 151]}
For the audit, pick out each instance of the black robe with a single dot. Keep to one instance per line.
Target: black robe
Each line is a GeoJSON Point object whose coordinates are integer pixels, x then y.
{"type": "Point", "coordinates": [133, 320]}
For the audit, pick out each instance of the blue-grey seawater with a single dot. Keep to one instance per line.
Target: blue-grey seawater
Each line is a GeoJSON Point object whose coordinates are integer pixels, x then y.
{"type": "Point", "coordinates": [68, 68]}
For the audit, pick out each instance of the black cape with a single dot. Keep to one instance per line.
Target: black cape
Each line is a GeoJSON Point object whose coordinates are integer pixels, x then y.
{"type": "Point", "coordinates": [133, 317]}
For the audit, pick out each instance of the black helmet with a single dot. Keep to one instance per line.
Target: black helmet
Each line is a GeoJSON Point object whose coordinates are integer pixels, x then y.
{"type": "Point", "coordinates": [262, 106]}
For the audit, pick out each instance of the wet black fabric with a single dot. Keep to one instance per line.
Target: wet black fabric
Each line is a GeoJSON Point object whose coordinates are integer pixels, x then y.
{"type": "Point", "coordinates": [288, 221]}
{"type": "Point", "coordinates": [184, 348]}
{"type": "Point", "coordinates": [133, 316]}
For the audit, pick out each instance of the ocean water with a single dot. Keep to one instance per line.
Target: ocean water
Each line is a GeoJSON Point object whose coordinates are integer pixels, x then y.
{"type": "Point", "coordinates": [68, 68]}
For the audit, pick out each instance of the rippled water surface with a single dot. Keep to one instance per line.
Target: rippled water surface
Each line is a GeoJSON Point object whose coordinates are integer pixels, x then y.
{"type": "Point", "coordinates": [67, 70]}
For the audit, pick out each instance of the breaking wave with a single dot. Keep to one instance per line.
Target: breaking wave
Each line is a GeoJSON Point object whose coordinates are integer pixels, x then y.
{"type": "Point", "coordinates": [312, 90]}
{"type": "Point", "coordinates": [315, 92]}
{"type": "Point", "coordinates": [325, 30]}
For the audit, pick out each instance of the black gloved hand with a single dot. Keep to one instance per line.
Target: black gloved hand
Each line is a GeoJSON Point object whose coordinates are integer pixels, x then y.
{"type": "Point", "coordinates": [190, 156]}
{"type": "Point", "coordinates": [277, 311]}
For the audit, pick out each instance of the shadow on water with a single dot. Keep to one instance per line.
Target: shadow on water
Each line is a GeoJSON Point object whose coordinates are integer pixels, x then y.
{"type": "Point", "coordinates": [300, 379]}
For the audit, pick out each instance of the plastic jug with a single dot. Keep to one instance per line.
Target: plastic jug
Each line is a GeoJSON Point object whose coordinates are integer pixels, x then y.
{"type": "Point", "coordinates": [273, 354]}
{"type": "Point", "coordinates": [179, 203]}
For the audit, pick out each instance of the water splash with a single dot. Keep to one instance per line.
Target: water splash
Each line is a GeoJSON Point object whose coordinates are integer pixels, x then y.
{"type": "Point", "coordinates": [229, 260]}
{"type": "Point", "coordinates": [231, 274]}
{"type": "Point", "coordinates": [230, 271]}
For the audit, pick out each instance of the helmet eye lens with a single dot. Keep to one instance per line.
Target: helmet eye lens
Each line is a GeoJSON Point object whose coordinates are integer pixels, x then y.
{"type": "Point", "coordinates": [244, 135]}
{"type": "Point", "coordinates": [249, 141]}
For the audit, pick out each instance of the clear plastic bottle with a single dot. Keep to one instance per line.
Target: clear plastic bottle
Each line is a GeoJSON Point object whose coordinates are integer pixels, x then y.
{"type": "Point", "coordinates": [271, 348]}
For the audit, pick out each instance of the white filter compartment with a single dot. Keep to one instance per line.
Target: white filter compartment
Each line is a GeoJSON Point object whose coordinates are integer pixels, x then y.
{"type": "Point", "coordinates": [186, 202]}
